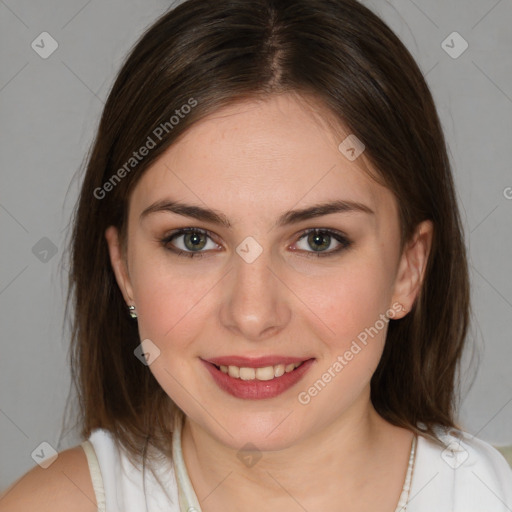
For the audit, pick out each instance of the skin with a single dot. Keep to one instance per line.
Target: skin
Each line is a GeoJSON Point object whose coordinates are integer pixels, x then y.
{"type": "Point", "coordinates": [253, 161]}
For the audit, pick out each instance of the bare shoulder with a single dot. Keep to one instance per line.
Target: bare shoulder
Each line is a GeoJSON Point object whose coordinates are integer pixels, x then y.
{"type": "Point", "coordinates": [65, 485]}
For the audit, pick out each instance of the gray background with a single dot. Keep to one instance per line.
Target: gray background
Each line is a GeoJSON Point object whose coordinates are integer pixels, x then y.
{"type": "Point", "coordinates": [49, 110]}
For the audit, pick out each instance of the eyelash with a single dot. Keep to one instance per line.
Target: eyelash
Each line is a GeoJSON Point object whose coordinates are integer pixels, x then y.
{"type": "Point", "coordinates": [338, 236]}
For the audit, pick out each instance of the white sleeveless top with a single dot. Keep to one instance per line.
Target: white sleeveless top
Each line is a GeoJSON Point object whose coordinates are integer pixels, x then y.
{"type": "Point", "coordinates": [469, 476]}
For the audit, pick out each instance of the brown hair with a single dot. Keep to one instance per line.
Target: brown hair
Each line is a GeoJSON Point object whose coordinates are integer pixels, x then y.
{"type": "Point", "coordinates": [209, 55]}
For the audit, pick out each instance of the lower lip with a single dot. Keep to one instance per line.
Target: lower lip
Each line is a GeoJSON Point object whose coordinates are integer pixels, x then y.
{"type": "Point", "coordinates": [257, 389]}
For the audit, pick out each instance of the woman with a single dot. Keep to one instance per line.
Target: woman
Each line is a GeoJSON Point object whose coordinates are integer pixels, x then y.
{"type": "Point", "coordinates": [269, 278]}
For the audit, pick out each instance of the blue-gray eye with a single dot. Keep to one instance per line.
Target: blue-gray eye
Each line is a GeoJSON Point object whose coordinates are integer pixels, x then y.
{"type": "Point", "coordinates": [320, 240]}
{"type": "Point", "coordinates": [194, 240]}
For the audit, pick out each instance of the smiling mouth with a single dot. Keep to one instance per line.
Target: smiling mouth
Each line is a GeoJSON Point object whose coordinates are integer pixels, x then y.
{"type": "Point", "coordinates": [264, 373]}
{"type": "Point", "coordinates": [255, 381]}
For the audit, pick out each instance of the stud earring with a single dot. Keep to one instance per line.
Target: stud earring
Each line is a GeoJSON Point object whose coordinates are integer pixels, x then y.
{"type": "Point", "coordinates": [133, 314]}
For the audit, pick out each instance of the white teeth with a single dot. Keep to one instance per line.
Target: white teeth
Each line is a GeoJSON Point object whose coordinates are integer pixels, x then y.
{"type": "Point", "coordinates": [247, 373]}
{"type": "Point", "coordinates": [234, 371]}
{"type": "Point", "coordinates": [265, 373]}
{"type": "Point", "coordinates": [279, 370]}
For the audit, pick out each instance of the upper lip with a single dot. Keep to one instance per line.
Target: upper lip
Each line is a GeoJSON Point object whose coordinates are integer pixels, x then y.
{"type": "Point", "coordinates": [254, 362]}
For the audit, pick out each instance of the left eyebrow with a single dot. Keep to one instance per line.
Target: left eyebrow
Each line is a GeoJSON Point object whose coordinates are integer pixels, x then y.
{"type": "Point", "coordinates": [286, 219]}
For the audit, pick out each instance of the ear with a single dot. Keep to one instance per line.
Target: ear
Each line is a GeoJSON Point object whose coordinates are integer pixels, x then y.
{"type": "Point", "coordinates": [411, 269]}
{"type": "Point", "coordinates": [119, 265]}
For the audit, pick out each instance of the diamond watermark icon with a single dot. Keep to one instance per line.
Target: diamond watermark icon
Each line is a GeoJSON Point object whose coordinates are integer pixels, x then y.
{"type": "Point", "coordinates": [454, 455]}
{"type": "Point", "coordinates": [249, 455]}
{"type": "Point", "coordinates": [44, 455]}
{"type": "Point", "coordinates": [351, 147]}
{"type": "Point", "coordinates": [249, 250]}
{"type": "Point", "coordinates": [454, 45]}
{"type": "Point", "coordinates": [147, 352]}
{"type": "Point", "coordinates": [44, 250]}
{"type": "Point", "coordinates": [44, 45]}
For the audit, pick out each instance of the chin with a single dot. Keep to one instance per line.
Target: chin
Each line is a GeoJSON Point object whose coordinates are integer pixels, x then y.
{"type": "Point", "coordinates": [269, 430]}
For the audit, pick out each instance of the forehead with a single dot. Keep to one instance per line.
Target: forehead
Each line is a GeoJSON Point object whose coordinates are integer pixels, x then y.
{"type": "Point", "coordinates": [273, 155]}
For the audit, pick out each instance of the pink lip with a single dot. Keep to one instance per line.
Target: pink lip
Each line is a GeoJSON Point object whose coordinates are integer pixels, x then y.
{"type": "Point", "coordinates": [256, 389]}
{"type": "Point", "coordinates": [255, 362]}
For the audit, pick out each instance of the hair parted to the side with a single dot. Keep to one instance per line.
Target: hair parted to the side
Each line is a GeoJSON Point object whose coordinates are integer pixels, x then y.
{"type": "Point", "coordinates": [212, 54]}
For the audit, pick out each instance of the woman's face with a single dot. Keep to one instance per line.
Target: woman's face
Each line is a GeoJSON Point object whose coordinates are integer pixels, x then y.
{"type": "Point", "coordinates": [259, 284]}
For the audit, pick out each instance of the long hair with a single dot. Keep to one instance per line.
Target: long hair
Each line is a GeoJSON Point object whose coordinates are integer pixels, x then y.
{"type": "Point", "coordinates": [201, 56]}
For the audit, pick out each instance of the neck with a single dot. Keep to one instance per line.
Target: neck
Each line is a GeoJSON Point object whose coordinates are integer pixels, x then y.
{"type": "Point", "coordinates": [344, 448]}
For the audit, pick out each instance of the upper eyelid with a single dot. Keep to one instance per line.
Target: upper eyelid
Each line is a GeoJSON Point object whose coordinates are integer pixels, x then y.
{"type": "Point", "coordinates": [183, 231]}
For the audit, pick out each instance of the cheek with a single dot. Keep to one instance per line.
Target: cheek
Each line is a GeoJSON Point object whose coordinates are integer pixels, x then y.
{"type": "Point", "coordinates": [170, 303]}
{"type": "Point", "coordinates": [350, 300]}
{"type": "Point", "coordinates": [172, 312]}
{"type": "Point", "coordinates": [351, 307]}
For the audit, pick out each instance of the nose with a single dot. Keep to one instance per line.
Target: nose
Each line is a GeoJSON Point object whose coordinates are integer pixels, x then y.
{"type": "Point", "coordinates": [254, 305]}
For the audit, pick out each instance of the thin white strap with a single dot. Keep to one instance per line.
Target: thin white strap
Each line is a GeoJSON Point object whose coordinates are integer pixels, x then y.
{"type": "Point", "coordinates": [94, 469]}
{"type": "Point", "coordinates": [404, 496]}
{"type": "Point", "coordinates": [187, 497]}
